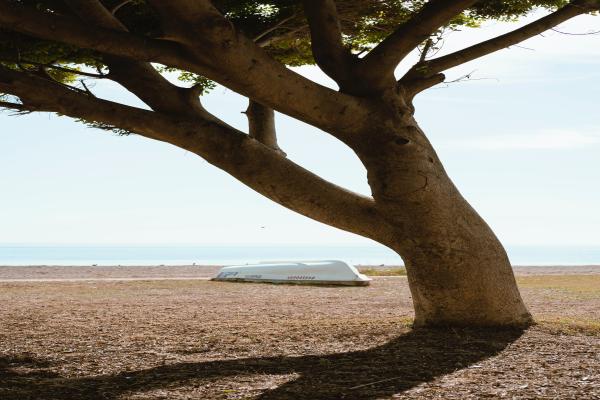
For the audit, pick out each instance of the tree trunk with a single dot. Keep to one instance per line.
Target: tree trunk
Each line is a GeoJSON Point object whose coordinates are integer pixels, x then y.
{"type": "Point", "coordinates": [458, 272]}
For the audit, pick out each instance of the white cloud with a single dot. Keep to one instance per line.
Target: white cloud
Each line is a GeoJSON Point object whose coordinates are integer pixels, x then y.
{"type": "Point", "coordinates": [546, 140]}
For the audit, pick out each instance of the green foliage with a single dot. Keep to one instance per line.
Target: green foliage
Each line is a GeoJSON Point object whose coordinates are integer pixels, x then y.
{"type": "Point", "coordinates": [105, 127]}
{"type": "Point", "coordinates": [184, 76]}
{"type": "Point", "coordinates": [33, 55]}
{"type": "Point", "coordinates": [364, 22]}
{"type": "Point", "coordinates": [511, 9]}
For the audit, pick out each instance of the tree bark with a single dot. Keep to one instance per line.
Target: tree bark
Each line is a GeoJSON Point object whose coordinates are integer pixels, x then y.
{"type": "Point", "coordinates": [458, 272]}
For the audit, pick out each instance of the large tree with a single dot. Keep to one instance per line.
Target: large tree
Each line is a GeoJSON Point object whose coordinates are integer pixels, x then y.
{"type": "Point", "coordinates": [459, 273]}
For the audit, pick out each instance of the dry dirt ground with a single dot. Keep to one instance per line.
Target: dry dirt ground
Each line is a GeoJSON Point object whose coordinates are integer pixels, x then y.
{"type": "Point", "coordinates": [197, 339]}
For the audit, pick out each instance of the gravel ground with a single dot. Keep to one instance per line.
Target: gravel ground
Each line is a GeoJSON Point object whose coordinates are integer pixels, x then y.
{"type": "Point", "coordinates": [196, 339]}
{"type": "Point", "coordinates": [41, 272]}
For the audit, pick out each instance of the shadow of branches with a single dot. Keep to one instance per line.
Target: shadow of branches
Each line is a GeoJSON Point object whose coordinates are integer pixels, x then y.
{"type": "Point", "coordinates": [400, 364]}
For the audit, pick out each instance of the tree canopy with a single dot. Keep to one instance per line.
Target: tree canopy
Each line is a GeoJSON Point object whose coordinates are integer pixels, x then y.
{"type": "Point", "coordinates": [280, 27]}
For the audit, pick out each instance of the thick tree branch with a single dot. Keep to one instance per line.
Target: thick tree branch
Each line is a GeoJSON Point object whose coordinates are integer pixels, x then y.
{"type": "Point", "coordinates": [567, 12]}
{"type": "Point", "coordinates": [246, 159]}
{"type": "Point", "coordinates": [328, 49]}
{"type": "Point", "coordinates": [221, 54]}
{"type": "Point", "coordinates": [93, 11]}
{"type": "Point", "coordinates": [385, 57]}
{"type": "Point", "coordinates": [226, 50]}
{"type": "Point", "coordinates": [178, 16]}
{"type": "Point", "coordinates": [140, 78]}
{"type": "Point", "coordinates": [261, 124]}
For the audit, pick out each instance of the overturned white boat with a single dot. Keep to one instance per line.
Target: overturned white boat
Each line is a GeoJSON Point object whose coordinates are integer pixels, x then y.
{"type": "Point", "coordinates": [328, 272]}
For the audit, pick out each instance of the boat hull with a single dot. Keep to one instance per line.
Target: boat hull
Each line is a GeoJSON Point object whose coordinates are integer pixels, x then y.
{"type": "Point", "coordinates": [289, 282]}
{"type": "Point", "coordinates": [298, 273]}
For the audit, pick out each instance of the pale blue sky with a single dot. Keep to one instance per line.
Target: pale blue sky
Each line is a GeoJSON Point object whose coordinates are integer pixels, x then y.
{"type": "Point", "coordinates": [522, 145]}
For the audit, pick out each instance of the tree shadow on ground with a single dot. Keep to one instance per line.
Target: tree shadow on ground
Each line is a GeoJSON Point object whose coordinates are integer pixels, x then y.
{"type": "Point", "coordinates": [396, 366]}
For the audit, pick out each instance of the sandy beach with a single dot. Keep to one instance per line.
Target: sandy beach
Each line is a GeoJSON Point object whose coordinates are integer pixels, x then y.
{"type": "Point", "coordinates": [169, 333]}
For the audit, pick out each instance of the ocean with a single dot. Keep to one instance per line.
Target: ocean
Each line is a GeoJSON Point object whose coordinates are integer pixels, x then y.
{"type": "Point", "coordinates": [228, 255]}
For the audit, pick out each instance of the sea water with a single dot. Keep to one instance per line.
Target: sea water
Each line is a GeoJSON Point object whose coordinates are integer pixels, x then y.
{"type": "Point", "coordinates": [227, 255]}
